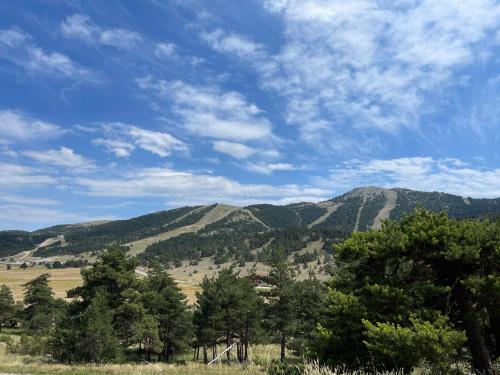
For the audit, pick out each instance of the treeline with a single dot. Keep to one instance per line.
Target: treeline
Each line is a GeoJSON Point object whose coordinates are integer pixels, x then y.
{"type": "Point", "coordinates": [424, 289]}
{"type": "Point", "coordinates": [115, 316]}
{"type": "Point", "coordinates": [85, 238]}
{"type": "Point", "coordinates": [243, 245]}
{"type": "Point", "coordinates": [15, 241]}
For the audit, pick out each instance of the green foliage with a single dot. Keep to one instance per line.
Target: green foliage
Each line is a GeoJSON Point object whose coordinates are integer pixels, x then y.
{"type": "Point", "coordinates": [97, 341]}
{"type": "Point", "coordinates": [41, 308]}
{"type": "Point", "coordinates": [344, 217]}
{"type": "Point", "coordinates": [284, 368]}
{"type": "Point", "coordinates": [84, 238]}
{"type": "Point", "coordinates": [276, 216]}
{"type": "Point", "coordinates": [282, 298]}
{"type": "Point", "coordinates": [455, 206]}
{"type": "Point", "coordinates": [436, 342]}
{"type": "Point", "coordinates": [228, 307]}
{"type": "Point", "coordinates": [7, 306]}
{"type": "Point", "coordinates": [34, 345]}
{"type": "Point", "coordinates": [122, 313]}
{"type": "Point", "coordinates": [15, 241]}
{"type": "Point", "coordinates": [398, 283]}
{"type": "Point", "coordinates": [167, 305]}
{"type": "Point", "coordinates": [311, 308]}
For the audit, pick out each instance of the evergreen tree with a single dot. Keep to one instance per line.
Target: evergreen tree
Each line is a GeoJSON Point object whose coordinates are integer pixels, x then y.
{"type": "Point", "coordinates": [7, 306]}
{"type": "Point", "coordinates": [97, 342]}
{"type": "Point", "coordinates": [311, 307]}
{"type": "Point", "coordinates": [165, 302]}
{"type": "Point", "coordinates": [41, 308]}
{"type": "Point", "coordinates": [227, 309]}
{"type": "Point", "coordinates": [250, 313]}
{"type": "Point", "coordinates": [114, 276]}
{"type": "Point", "coordinates": [408, 291]}
{"type": "Point", "coordinates": [282, 300]}
{"type": "Point", "coordinates": [147, 336]}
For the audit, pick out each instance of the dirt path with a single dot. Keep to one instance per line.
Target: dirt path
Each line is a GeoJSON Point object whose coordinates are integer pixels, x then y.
{"type": "Point", "coordinates": [253, 217]}
{"type": "Point", "coordinates": [330, 209]}
{"type": "Point", "coordinates": [356, 226]}
{"type": "Point", "coordinates": [216, 213]}
{"type": "Point", "coordinates": [390, 204]}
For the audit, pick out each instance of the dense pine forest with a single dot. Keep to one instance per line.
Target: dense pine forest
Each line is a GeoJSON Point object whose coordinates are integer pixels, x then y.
{"type": "Point", "coordinates": [420, 292]}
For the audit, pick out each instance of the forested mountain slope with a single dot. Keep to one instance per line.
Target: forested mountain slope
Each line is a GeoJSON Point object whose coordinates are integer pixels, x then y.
{"type": "Point", "coordinates": [242, 233]}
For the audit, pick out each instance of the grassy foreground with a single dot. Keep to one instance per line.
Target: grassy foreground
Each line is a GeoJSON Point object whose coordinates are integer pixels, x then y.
{"type": "Point", "coordinates": [21, 364]}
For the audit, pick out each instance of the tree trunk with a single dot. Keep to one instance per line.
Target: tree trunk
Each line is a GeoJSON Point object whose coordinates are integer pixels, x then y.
{"type": "Point", "coordinates": [494, 315]}
{"type": "Point", "coordinates": [475, 340]}
{"type": "Point", "coordinates": [205, 354]}
{"type": "Point", "coordinates": [283, 346]}
{"type": "Point", "coordinates": [228, 343]}
{"type": "Point", "coordinates": [246, 351]}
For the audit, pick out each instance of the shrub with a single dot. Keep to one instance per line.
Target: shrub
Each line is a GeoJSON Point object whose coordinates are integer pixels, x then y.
{"type": "Point", "coordinates": [29, 345]}
{"type": "Point", "coordinates": [6, 339]}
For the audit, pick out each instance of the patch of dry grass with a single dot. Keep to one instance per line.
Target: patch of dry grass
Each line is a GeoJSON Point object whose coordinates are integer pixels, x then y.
{"type": "Point", "coordinates": [29, 365]}
{"type": "Point", "coordinates": [61, 280]}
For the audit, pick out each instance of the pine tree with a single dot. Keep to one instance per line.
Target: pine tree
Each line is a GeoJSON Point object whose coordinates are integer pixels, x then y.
{"type": "Point", "coordinates": [227, 309]}
{"type": "Point", "coordinates": [147, 336]}
{"type": "Point", "coordinates": [282, 300]}
{"type": "Point", "coordinates": [311, 295]}
{"type": "Point", "coordinates": [98, 342]}
{"type": "Point", "coordinates": [163, 299]}
{"type": "Point", "coordinates": [7, 306]}
{"type": "Point", "coordinates": [411, 290]}
{"type": "Point", "coordinates": [41, 308]}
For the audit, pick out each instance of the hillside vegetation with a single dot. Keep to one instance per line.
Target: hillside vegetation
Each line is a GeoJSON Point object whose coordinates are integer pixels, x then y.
{"type": "Point", "coordinates": [227, 233]}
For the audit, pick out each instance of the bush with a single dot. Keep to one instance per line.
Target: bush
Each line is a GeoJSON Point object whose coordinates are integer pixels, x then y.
{"type": "Point", "coordinates": [6, 339]}
{"type": "Point", "coordinates": [283, 368]}
{"type": "Point", "coordinates": [29, 345]}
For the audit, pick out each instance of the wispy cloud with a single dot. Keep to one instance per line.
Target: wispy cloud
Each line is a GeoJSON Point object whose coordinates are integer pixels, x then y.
{"type": "Point", "coordinates": [64, 157]}
{"type": "Point", "coordinates": [121, 139]}
{"type": "Point", "coordinates": [418, 173]}
{"type": "Point", "coordinates": [16, 126]}
{"type": "Point", "coordinates": [18, 48]}
{"type": "Point", "coordinates": [179, 187]}
{"type": "Point", "coordinates": [80, 26]}
{"type": "Point", "coordinates": [165, 50]}
{"type": "Point", "coordinates": [347, 68]}
{"type": "Point", "coordinates": [236, 150]}
{"type": "Point", "coordinates": [269, 168]}
{"type": "Point", "coordinates": [17, 199]}
{"type": "Point", "coordinates": [14, 215]}
{"type": "Point", "coordinates": [233, 44]}
{"type": "Point", "coordinates": [208, 111]}
{"type": "Point", "coordinates": [16, 175]}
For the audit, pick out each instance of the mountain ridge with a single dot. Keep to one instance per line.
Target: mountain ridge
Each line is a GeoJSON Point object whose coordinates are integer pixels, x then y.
{"type": "Point", "coordinates": [234, 228]}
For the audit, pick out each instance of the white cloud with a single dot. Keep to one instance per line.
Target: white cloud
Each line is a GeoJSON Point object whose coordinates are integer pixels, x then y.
{"type": "Point", "coordinates": [13, 215]}
{"type": "Point", "coordinates": [16, 126]}
{"type": "Point", "coordinates": [165, 50]}
{"type": "Point", "coordinates": [17, 47]}
{"type": "Point", "coordinates": [80, 26]}
{"type": "Point", "coordinates": [121, 149]}
{"type": "Point", "coordinates": [16, 199]}
{"type": "Point", "coordinates": [419, 173]}
{"type": "Point", "coordinates": [158, 143]}
{"type": "Point", "coordinates": [346, 68]}
{"type": "Point", "coordinates": [15, 175]}
{"type": "Point", "coordinates": [236, 150]}
{"type": "Point", "coordinates": [64, 157]}
{"type": "Point", "coordinates": [122, 139]}
{"type": "Point", "coordinates": [179, 187]}
{"type": "Point", "coordinates": [207, 111]}
{"type": "Point", "coordinates": [233, 44]}
{"type": "Point", "coordinates": [269, 168]}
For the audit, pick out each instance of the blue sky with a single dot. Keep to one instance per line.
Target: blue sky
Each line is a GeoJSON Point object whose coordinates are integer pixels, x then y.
{"type": "Point", "coordinates": [113, 109]}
